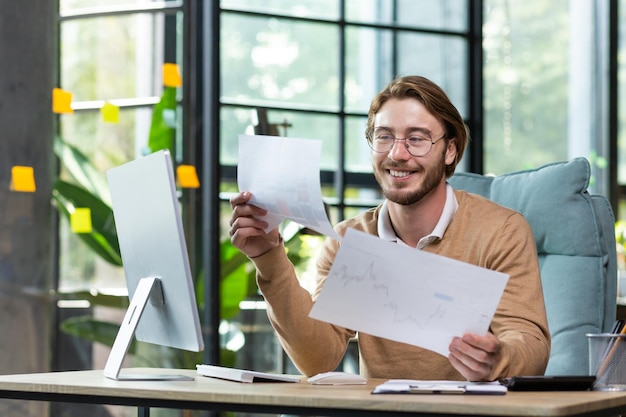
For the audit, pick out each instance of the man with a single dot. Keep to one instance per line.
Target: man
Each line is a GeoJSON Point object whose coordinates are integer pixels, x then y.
{"type": "Point", "coordinates": [417, 138]}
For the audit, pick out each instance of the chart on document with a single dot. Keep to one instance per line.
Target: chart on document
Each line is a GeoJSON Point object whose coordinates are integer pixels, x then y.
{"type": "Point", "coordinates": [403, 294]}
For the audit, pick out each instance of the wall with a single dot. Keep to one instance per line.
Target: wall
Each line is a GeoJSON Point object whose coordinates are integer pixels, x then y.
{"type": "Point", "coordinates": [28, 51]}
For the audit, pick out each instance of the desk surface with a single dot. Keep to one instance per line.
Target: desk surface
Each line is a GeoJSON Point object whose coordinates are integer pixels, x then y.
{"type": "Point", "coordinates": [304, 398]}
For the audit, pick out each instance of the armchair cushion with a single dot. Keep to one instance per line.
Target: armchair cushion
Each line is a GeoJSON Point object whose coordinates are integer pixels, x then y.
{"type": "Point", "coordinates": [575, 238]}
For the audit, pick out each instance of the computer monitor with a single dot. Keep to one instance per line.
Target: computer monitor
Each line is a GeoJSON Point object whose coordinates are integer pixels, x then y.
{"type": "Point", "coordinates": [163, 308]}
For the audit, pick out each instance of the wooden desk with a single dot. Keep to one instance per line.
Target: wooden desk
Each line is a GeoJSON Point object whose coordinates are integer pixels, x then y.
{"type": "Point", "coordinates": [299, 398]}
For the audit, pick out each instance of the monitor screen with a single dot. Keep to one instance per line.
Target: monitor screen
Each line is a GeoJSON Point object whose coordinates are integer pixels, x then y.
{"type": "Point", "coordinates": [163, 307]}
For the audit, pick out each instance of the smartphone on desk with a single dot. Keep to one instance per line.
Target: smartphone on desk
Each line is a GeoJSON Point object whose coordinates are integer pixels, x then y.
{"type": "Point", "coordinates": [549, 383]}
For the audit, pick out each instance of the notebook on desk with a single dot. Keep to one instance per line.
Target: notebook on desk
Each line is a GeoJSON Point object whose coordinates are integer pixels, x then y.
{"type": "Point", "coordinates": [242, 375]}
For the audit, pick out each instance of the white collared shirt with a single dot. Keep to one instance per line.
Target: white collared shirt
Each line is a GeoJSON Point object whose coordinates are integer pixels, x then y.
{"type": "Point", "coordinates": [386, 232]}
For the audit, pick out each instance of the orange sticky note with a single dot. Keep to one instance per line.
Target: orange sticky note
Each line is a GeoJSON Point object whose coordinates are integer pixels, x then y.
{"type": "Point", "coordinates": [61, 101]}
{"type": "Point", "coordinates": [171, 75]}
{"type": "Point", "coordinates": [110, 113]}
{"type": "Point", "coordinates": [80, 220]}
{"type": "Point", "coordinates": [23, 179]}
{"type": "Point", "coordinates": [187, 176]}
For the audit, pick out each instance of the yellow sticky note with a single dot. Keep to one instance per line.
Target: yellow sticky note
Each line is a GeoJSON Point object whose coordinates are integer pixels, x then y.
{"type": "Point", "coordinates": [61, 101]}
{"type": "Point", "coordinates": [187, 176]}
{"type": "Point", "coordinates": [23, 179]}
{"type": "Point", "coordinates": [171, 75]}
{"type": "Point", "coordinates": [80, 220]}
{"type": "Point", "coordinates": [110, 113]}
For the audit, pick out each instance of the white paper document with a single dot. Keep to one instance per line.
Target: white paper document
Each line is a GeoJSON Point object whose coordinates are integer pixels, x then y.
{"type": "Point", "coordinates": [283, 175]}
{"type": "Point", "coordinates": [407, 295]}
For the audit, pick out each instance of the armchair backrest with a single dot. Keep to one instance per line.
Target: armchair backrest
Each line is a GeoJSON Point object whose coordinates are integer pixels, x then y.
{"type": "Point", "coordinates": [575, 235]}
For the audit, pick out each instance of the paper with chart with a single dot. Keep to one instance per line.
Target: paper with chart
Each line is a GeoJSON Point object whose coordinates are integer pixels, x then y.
{"type": "Point", "coordinates": [283, 175]}
{"type": "Point", "coordinates": [407, 295]}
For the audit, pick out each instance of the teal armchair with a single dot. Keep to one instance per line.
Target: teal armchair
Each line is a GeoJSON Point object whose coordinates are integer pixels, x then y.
{"type": "Point", "coordinates": [575, 234]}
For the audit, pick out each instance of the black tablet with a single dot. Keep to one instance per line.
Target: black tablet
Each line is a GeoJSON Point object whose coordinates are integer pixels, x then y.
{"type": "Point", "coordinates": [549, 383]}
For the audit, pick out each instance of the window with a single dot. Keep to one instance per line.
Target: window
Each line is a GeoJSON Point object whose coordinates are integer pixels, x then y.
{"type": "Point", "coordinates": [621, 117]}
{"type": "Point", "coordinates": [315, 68]}
{"type": "Point", "coordinates": [545, 96]}
{"type": "Point", "coordinates": [312, 69]}
{"type": "Point", "coordinates": [109, 54]}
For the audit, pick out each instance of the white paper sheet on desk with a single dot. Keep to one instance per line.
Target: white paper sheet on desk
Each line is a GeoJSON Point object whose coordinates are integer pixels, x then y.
{"type": "Point", "coordinates": [407, 295]}
{"type": "Point", "coordinates": [283, 175]}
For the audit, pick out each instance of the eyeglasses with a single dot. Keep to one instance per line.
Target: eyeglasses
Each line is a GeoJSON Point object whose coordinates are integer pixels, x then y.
{"type": "Point", "coordinates": [382, 141]}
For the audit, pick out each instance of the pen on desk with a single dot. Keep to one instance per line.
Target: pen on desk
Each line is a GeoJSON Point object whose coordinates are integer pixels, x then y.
{"type": "Point", "coordinates": [436, 389]}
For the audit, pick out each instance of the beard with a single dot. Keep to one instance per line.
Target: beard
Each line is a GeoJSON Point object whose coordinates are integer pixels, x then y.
{"type": "Point", "coordinates": [403, 197]}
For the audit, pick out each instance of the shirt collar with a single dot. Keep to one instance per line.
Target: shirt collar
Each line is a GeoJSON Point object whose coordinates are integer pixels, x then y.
{"type": "Point", "coordinates": [386, 232]}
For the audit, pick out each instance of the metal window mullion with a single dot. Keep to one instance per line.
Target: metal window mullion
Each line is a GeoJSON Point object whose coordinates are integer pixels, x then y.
{"type": "Point", "coordinates": [210, 135]}
{"type": "Point", "coordinates": [339, 180]}
{"type": "Point", "coordinates": [613, 106]}
{"type": "Point", "coordinates": [475, 147]}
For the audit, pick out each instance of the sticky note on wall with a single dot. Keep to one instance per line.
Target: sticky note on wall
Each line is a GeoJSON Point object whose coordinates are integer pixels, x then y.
{"type": "Point", "coordinates": [171, 75]}
{"type": "Point", "coordinates": [80, 220]}
{"type": "Point", "coordinates": [61, 101]}
{"type": "Point", "coordinates": [23, 179]}
{"type": "Point", "coordinates": [187, 176]}
{"type": "Point", "coordinates": [110, 113]}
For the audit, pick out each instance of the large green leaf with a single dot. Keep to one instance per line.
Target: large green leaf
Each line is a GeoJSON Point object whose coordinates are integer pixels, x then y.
{"type": "Point", "coordinates": [103, 238]}
{"type": "Point", "coordinates": [233, 290]}
{"type": "Point", "coordinates": [82, 170]}
{"type": "Point", "coordinates": [86, 327]}
{"type": "Point", "coordinates": [237, 279]}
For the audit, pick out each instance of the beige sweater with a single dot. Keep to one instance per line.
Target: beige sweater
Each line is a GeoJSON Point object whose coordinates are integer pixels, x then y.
{"type": "Point", "coordinates": [481, 233]}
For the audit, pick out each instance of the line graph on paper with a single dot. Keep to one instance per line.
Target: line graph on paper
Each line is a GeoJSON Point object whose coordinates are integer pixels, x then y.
{"type": "Point", "coordinates": [407, 295]}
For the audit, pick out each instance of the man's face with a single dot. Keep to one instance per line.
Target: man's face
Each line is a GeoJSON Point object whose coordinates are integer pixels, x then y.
{"type": "Point", "coordinates": [405, 179]}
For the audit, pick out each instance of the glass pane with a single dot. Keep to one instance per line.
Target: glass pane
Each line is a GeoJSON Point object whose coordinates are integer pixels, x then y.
{"type": "Point", "coordinates": [225, 213]}
{"type": "Point", "coordinates": [236, 121]}
{"type": "Point", "coordinates": [433, 14]}
{"type": "Point", "coordinates": [442, 59]}
{"type": "Point", "coordinates": [364, 197]}
{"type": "Point", "coordinates": [111, 57]}
{"type": "Point", "coordinates": [358, 153]}
{"type": "Point", "coordinates": [326, 9]}
{"type": "Point", "coordinates": [354, 211]}
{"type": "Point", "coordinates": [425, 14]}
{"type": "Point", "coordinates": [526, 78]}
{"type": "Point", "coordinates": [80, 268]}
{"type": "Point", "coordinates": [621, 73]}
{"type": "Point", "coordinates": [108, 144]}
{"type": "Point", "coordinates": [369, 65]}
{"type": "Point", "coordinates": [279, 61]}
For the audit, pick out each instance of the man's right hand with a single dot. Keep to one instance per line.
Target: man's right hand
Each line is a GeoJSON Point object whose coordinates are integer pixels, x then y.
{"type": "Point", "coordinates": [247, 233]}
